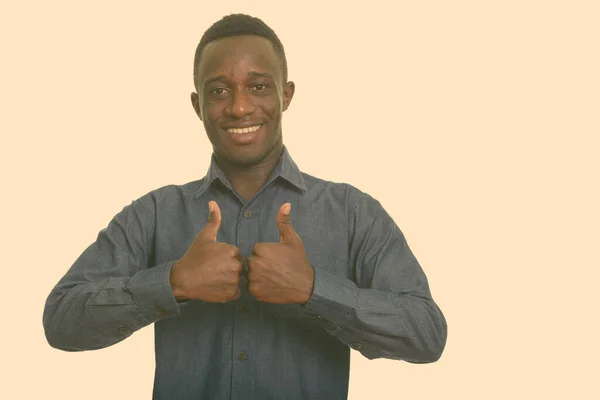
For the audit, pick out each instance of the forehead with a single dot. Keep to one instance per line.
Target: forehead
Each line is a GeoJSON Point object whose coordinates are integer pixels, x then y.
{"type": "Point", "coordinates": [238, 55]}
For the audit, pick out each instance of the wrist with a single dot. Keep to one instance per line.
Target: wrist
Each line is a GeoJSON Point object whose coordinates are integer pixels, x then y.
{"type": "Point", "coordinates": [309, 286]}
{"type": "Point", "coordinates": [174, 281]}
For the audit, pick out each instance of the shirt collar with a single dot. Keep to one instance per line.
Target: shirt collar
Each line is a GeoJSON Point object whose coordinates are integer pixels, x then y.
{"type": "Point", "coordinates": [286, 168]}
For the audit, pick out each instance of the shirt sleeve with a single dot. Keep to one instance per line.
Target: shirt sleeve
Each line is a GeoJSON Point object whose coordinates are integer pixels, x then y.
{"type": "Point", "coordinates": [387, 311]}
{"type": "Point", "coordinates": [111, 291]}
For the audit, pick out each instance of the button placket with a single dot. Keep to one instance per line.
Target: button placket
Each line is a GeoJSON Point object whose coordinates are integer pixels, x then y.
{"type": "Point", "coordinates": [244, 321]}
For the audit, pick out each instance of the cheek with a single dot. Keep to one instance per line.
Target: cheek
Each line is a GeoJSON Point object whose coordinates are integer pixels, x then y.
{"type": "Point", "coordinates": [272, 107]}
{"type": "Point", "coordinates": [211, 114]}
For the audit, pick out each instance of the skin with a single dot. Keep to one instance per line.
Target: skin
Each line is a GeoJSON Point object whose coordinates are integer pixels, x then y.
{"type": "Point", "coordinates": [208, 270]}
{"type": "Point", "coordinates": [240, 83]}
{"type": "Point", "coordinates": [280, 272]}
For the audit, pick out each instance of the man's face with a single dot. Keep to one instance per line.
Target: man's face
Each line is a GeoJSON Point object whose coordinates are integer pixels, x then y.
{"type": "Point", "coordinates": [241, 96]}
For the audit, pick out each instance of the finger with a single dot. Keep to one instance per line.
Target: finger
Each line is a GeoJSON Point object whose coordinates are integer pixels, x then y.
{"type": "Point", "coordinates": [252, 288]}
{"type": "Point", "coordinates": [213, 223]}
{"type": "Point", "coordinates": [242, 267]}
{"type": "Point", "coordinates": [284, 222]}
{"type": "Point", "coordinates": [256, 250]}
{"type": "Point", "coordinates": [236, 253]}
{"type": "Point", "coordinates": [250, 266]}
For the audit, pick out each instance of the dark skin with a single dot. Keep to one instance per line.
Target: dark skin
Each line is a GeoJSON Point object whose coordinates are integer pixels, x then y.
{"type": "Point", "coordinates": [239, 85]}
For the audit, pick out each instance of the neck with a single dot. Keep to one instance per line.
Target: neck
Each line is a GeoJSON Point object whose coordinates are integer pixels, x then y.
{"type": "Point", "coordinates": [248, 179]}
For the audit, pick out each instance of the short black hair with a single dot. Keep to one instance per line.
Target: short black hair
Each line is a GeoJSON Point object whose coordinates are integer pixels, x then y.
{"type": "Point", "coordinates": [238, 25]}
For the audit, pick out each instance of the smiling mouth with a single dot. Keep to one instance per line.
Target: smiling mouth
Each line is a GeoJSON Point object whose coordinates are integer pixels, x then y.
{"type": "Point", "coordinates": [249, 129]}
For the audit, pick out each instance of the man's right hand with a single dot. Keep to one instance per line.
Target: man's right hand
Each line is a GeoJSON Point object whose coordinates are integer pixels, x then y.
{"type": "Point", "coordinates": [208, 270]}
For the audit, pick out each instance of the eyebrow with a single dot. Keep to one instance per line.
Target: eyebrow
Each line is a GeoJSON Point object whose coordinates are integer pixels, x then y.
{"type": "Point", "coordinates": [261, 74]}
{"type": "Point", "coordinates": [251, 73]}
{"type": "Point", "coordinates": [213, 79]}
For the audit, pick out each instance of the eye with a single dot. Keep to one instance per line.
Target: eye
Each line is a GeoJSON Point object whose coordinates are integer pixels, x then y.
{"type": "Point", "coordinates": [259, 87]}
{"type": "Point", "coordinates": [218, 91]}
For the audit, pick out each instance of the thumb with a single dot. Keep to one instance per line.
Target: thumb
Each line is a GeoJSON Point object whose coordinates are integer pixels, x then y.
{"type": "Point", "coordinates": [284, 222]}
{"type": "Point", "coordinates": [213, 223]}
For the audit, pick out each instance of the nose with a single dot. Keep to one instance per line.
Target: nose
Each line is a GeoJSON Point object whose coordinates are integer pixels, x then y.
{"type": "Point", "coordinates": [241, 104]}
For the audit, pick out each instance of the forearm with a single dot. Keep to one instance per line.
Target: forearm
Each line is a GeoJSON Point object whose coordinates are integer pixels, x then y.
{"type": "Point", "coordinates": [81, 315]}
{"type": "Point", "coordinates": [406, 326]}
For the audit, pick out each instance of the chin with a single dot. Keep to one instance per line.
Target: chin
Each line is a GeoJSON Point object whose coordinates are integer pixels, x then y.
{"type": "Point", "coordinates": [247, 159]}
{"type": "Point", "coordinates": [251, 156]}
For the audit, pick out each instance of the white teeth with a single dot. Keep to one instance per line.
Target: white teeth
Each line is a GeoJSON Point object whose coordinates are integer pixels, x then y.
{"type": "Point", "coordinates": [244, 130]}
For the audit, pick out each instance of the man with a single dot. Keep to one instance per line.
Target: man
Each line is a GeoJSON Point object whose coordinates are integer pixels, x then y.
{"type": "Point", "coordinates": [258, 278]}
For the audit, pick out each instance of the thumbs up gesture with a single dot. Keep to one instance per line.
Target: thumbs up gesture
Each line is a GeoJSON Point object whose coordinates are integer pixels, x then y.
{"type": "Point", "coordinates": [208, 270]}
{"type": "Point", "coordinates": [280, 272]}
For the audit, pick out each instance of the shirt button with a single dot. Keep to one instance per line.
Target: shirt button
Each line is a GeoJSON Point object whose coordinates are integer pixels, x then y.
{"type": "Point", "coordinates": [356, 346]}
{"type": "Point", "coordinates": [161, 312]}
{"type": "Point", "coordinates": [242, 356]}
{"type": "Point", "coordinates": [124, 330]}
{"type": "Point", "coordinates": [247, 213]}
{"type": "Point", "coordinates": [244, 309]}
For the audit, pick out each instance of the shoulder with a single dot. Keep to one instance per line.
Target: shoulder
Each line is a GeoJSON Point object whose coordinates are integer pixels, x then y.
{"type": "Point", "coordinates": [340, 192]}
{"type": "Point", "coordinates": [169, 194]}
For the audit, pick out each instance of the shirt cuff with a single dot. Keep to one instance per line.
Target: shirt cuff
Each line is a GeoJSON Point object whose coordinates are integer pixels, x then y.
{"type": "Point", "coordinates": [151, 289]}
{"type": "Point", "coordinates": [333, 299]}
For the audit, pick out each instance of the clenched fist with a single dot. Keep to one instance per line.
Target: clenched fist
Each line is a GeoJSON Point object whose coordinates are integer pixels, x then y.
{"type": "Point", "coordinates": [208, 270]}
{"type": "Point", "coordinates": [280, 272]}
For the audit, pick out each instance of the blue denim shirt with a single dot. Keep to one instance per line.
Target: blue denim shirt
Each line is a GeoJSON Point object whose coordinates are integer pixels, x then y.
{"type": "Point", "coordinates": [370, 293]}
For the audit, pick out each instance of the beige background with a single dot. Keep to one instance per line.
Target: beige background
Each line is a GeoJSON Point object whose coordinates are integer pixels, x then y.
{"type": "Point", "coordinates": [475, 123]}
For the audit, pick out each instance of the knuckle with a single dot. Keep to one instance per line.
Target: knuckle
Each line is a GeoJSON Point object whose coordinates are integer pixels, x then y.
{"type": "Point", "coordinates": [218, 246]}
{"type": "Point", "coordinates": [208, 226]}
{"type": "Point", "coordinates": [233, 251]}
{"type": "Point", "coordinates": [258, 248]}
{"type": "Point", "coordinates": [252, 288]}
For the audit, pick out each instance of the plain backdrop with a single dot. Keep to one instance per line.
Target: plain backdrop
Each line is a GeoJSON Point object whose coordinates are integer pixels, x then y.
{"type": "Point", "coordinates": [475, 123]}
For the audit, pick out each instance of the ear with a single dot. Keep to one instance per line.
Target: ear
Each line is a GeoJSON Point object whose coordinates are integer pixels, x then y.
{"type": "Point", "coordinates": [196, 104]}
{"type": "Point", "coordinates": [288, 94]}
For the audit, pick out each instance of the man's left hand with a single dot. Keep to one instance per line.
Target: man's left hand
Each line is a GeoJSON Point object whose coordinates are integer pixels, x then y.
{"type": "Point", "coordinates": [280, 272]}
